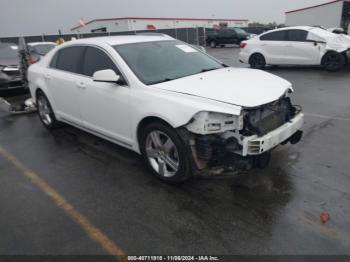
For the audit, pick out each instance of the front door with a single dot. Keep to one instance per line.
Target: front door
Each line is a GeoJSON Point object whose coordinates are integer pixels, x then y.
{"type": "Point", "coordinates": [300, 51]}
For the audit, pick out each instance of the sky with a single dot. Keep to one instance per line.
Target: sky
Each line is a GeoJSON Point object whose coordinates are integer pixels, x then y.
{"type": "Point", "coordinates": [35, 17]}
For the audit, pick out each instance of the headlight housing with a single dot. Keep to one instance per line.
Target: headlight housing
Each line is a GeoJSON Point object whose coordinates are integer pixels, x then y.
{"type": "Point", "coordinates": [205, 123]}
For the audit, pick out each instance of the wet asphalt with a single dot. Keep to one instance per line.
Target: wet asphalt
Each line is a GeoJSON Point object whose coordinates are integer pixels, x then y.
{"type": "Point", "coordinates": [271, 211]}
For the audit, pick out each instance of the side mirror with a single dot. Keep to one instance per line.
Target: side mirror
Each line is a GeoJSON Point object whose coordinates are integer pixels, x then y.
{"type": "Point", "coordinates": [108, 76]}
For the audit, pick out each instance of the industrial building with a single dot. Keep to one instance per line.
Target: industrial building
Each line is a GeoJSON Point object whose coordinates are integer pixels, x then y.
{"type": "Point", "coordinates": [143, 23]}
{"type": "Point", "coordinates": [329, 15]}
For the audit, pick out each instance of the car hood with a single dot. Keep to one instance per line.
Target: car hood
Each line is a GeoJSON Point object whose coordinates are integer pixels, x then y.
{"type": "Point", "coordinates": [9, 62]}
{"type": "Point", "coordinates": [243, 87]}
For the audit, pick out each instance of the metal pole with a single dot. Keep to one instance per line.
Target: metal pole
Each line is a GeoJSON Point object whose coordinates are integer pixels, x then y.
{"type": "Point", "coordinates": [187, 35]}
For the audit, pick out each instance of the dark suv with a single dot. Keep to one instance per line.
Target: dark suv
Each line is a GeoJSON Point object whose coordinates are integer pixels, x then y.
{"type": "Point", "coordinates": [10, 76]}
{"type": "Point", "coordinates": [226, 36]}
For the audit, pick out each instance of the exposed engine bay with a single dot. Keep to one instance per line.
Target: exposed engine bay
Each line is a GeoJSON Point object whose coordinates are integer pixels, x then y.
{"type": "Point", "coordinates": [220, 140]}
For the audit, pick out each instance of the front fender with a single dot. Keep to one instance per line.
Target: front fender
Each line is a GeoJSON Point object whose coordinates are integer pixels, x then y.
{"type": "Point", "coordinates": [174, 108]}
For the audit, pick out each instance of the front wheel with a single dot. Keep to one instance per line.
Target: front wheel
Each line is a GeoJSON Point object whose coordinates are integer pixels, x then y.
{"type": "Point", "coordinates": [257, 61]}
{"type": "Point", "coordinates": [333, 61]}
{"type": "Point", "coordinates": [165, 153]}
{"type": "Point", "coordinates": [45, 111]}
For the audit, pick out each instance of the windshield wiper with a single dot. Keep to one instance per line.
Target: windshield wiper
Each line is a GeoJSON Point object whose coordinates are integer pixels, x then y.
{"type": "Point", "coordinates": [161, 81]}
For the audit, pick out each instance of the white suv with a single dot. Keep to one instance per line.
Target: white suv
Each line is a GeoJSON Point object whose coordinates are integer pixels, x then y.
{"type": "Point", "coordinates": [302, 45]}
{"type": "Point", "coordinates": [183, 110]}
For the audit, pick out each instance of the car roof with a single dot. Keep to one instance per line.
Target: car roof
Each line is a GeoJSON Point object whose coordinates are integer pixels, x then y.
{"type": "Point", "coordinates": [122, 39]}
{"type": "Point", "coordinates": [306, 28]}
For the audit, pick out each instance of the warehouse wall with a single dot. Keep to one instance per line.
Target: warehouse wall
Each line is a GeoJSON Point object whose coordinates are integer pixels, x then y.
{"type": "Point", "coordinates": [326, 15]}
{"type": "Point", "coordinates": [141, 24]}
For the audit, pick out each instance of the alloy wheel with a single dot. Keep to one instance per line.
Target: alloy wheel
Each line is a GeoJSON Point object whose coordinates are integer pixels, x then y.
{"type": "Point", "coordinates": [44, 110]}
{"type": "Point", "coordinates": [162, 154]}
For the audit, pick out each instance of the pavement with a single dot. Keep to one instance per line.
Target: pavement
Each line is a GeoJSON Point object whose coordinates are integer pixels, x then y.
{"type": "Point", "coordinates": [67, 192]}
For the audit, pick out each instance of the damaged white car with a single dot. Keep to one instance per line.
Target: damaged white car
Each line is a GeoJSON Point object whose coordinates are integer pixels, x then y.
{"type": "Point", "coordinates": [301, 45]}
{"type": "Point", "coordinates": [184, 111]}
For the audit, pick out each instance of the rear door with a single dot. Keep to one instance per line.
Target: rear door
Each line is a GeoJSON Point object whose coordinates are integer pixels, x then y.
{"type": "Point", "coordinates": [62, 78]}
{"type": "Point", "coordinates": [299, 50]}
{"type": "Point", "coordinates": [273, 44]}
{"type": "Point", "coordinates": [104, 106]}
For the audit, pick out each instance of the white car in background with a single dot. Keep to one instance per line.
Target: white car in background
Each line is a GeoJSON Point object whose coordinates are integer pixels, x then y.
{"type": "Point", "coordinates": [37, 50]}
{"type": "Point", "coordinates": [183, 110]}
{"type": "Point", "coordinates": [301, 45]}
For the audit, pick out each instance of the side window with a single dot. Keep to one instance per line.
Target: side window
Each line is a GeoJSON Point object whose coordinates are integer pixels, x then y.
{"type": "Point", "coordinates": [96, 60]}
{"type": "Point", "coordinates": [69, 59]}
{"type": "Point", "coordinates": [297, 35]}
{"type": "Point", "coordinates": [274, 36]}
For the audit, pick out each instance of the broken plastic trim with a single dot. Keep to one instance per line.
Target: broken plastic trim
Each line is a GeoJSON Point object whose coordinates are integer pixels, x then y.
{"type": "Point", "coordinates": [25, 107]}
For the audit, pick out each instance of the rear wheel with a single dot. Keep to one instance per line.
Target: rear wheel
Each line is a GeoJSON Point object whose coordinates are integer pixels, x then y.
{"type": "Point", "coordinates": [164, 153]}
{"type": "Point", "coordinates": [257, 61]}
{"type": "Point", "coordinates": [333, 61]}
{"type": "Point", "coordinates": [45, 111]}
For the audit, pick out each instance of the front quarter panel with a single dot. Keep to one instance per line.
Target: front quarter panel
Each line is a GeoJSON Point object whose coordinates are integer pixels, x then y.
{"type": "Point", "coordinates": [174, 108]}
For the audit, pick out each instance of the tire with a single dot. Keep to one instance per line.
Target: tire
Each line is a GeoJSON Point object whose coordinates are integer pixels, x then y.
{"type": "Point", "coordinates": [45, 112]}
{"type": "Point", "coordinates": [257, 61]}
{"type": "Point", "coordinates": [212, 44]}
{"type": "Point", "coordinates": [164, 153]}
{"type": "Point", "coordinates": [333, 61]}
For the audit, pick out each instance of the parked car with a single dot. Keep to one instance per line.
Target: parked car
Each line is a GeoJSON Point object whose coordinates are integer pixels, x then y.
{"type": "Point", "coordinates": [226, 36]}
{"type": "Point", "coordinates": [302, 45]}
{"type": "Point", "coordinates": [10, 77]}
{"type": "Point", "coordinates": [37, 50]}
{"type": "Point", "coordinates": [182, 110]}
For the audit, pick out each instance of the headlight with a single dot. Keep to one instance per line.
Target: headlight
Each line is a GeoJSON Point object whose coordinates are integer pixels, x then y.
{"type": "Point", "coordinates": [210, 123]}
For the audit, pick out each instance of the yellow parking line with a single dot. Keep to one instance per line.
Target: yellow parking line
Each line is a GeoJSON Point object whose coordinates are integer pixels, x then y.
{"type": "Point", "coordinates": [92, 231]}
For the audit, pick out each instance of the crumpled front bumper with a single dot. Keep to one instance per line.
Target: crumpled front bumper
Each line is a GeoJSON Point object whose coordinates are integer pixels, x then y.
{"type": "Point", "coordinates": [255, 145]}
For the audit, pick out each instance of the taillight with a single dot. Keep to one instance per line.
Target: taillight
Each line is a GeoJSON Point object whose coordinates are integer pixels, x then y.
{"type": "Point", "coordinates": [243, 45]}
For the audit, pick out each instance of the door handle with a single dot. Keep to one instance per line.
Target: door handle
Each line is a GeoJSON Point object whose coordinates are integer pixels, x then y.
{"type": "Point", "coordinates": [81, 85]}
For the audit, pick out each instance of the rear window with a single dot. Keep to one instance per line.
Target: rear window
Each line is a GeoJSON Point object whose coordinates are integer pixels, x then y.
{"type": "Point", "coordinates": [274, 36]}
{"type": "Point", "coordinates": [42, 49]}
{"type": "Point", "coordinates": [69, 59]}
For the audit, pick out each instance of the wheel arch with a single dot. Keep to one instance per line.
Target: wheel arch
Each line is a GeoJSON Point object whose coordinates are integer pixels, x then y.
{"type": "Point", "coordinates": [334, 51]}
{"type": "Point", "coordinates": [257, 53]}
{"type": "Point", "coordinates": [146, 121]}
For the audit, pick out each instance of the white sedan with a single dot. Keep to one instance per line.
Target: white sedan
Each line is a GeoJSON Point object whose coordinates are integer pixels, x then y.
{"type": "Point", "coordinates": [183, 110]}
{"type": "Point", "coordinates": [301, 45]}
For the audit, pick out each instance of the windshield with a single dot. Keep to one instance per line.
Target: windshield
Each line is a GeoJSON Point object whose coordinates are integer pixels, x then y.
{"type": "Point", "coordinates": [240, 31]}
{"type": "Point", "coordinates": [8, 51]}
{"type": "Point", "coordinates": [156, 62]}
{"type": "Point", "coordinates": [42, 49]}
